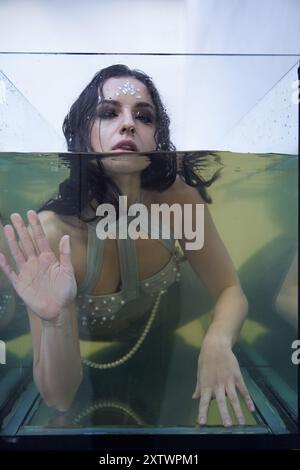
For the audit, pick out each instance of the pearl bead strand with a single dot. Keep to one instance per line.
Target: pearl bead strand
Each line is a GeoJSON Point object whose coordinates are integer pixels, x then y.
{"type": "Point", "coordinates": [136, 346]}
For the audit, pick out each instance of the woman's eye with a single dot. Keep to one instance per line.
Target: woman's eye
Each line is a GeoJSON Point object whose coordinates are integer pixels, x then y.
{"type": "Point", "coordinates": [145, 117]}
{"type": "Point", "coordinates": [107, 113]}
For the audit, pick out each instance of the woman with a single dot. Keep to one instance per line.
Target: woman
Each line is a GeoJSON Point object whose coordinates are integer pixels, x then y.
{"type": "Point", "coordinates": [120, 111]}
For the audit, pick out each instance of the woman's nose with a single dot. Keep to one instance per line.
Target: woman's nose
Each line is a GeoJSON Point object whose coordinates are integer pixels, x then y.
{"type": "Point", "coordinates": [128, 125]}
{"type": "Point", "coordinates": [128, 129]}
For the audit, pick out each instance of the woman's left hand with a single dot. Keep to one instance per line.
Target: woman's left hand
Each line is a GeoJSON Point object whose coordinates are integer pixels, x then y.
{"type": "Point", "coordinates": [219, 376]}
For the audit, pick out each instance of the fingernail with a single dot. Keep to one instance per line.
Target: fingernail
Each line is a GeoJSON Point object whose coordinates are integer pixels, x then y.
{"type": "Point", "coordinates": [15, 218]}
{"type": "Point", "coordinates": [201, 421]}
{"type": "Point", "coordinates": [8, 230]}
{"type": "Point", "coordinates": [68, 242]}
{"type": "Point", "coordinates": [227, 422]}
{"type": "Point", "coordinates": [251, 406]}
{"type": "Point", "coordinates": [31, 213]}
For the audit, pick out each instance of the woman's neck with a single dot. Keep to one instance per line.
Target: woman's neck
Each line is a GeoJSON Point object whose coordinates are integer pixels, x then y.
{"type": "Point", "coordinates": [129, 185]}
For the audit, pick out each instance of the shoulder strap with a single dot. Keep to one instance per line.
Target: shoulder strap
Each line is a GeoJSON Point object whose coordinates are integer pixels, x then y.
{"type": "Point", "coordinates": [127, 259]}
{"type": "Point", "coordinates": [94, 258]}
{"type": "Point", "coordinates": [128, 267]}
{"type": "Point", "coordinates": [127, 255]}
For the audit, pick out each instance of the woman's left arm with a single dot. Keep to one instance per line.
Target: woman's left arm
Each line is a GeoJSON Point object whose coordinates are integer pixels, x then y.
{"type": "Point", "coordinates": [218, 370]}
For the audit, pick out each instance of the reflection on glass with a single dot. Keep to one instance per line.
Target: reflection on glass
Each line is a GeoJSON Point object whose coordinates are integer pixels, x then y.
{"type": "Point", "coordinates": [7, 296]}
{"type": "Point", "coordinates": [19, 122]}
{"type": "Point", "coordinates": [287, 297]}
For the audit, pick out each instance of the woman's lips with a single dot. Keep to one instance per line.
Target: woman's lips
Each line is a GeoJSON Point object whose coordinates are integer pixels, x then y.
{"type": "Point", "coordinates": [125, 146]}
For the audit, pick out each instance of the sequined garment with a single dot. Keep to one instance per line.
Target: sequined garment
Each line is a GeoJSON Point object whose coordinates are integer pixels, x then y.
{"type": "Point", "coordinates": [107, 315]}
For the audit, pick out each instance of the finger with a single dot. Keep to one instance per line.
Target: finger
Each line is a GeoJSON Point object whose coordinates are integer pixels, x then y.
{"type": "Point", "coordinates": [21, 249]}
{"type": "Point", "coordinates": [65, 254]}
{"type": "Point", "coordinates": [14, 246]}
{"type": "Point", "coordinates": [204, 404]}
{"type": "Point", "coordinates": [232, 395]}
{"type": "Point", "coordinates": [222, 406]}
{"type": "Point", "coordinates": [8, 271]}
{"type": "Point", "coordinates": [24, 235]}
{"type": "Point", "coordinates": [243, 389]}
{"type": "Point", "coordinates": [197, 391]}
{"type": "Point", "coordinates": [38, 232]}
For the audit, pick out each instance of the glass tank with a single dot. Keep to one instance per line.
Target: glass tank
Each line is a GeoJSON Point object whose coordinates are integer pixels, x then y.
{"type": "Point", "coordinates": [141, 308]}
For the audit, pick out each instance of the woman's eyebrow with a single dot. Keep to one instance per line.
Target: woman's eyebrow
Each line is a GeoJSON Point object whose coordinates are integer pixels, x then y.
{"type": "Point", "coordinates": [114, 102]}
{"type": "Point", "coordinates": [144, 104]}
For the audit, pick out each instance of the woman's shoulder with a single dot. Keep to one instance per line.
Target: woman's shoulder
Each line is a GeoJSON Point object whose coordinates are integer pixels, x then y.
{"type": "Point", "coordinates": [56, 225]}
{"type": "Point", "coordinates": [180, 192]}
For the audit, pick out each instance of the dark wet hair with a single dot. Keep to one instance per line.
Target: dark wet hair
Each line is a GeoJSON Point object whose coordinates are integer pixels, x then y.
{"type": "Point", "coordinates": [78, 123]}
{"type": "Point", "coordinates": [88, 182]}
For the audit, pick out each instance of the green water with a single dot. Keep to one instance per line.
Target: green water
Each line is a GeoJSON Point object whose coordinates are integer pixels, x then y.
{"type": "Point", "coordinates": [255, 210]}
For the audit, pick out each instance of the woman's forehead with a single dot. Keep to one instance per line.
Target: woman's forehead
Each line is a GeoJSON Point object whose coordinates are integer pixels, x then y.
{"type": "Point", "coordinates": [117, 87]}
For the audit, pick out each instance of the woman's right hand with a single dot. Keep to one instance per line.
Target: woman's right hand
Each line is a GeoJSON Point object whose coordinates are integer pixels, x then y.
{"type": "Point", "coordinates": [46, 285]}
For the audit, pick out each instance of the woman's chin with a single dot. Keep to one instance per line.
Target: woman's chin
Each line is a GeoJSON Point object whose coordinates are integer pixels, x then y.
{"type": "Point", "coordinates": [129, 163]}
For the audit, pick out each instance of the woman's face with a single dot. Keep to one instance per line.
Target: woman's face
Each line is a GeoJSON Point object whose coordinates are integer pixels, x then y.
{"type": "Point", "coordinates": [125, 123]}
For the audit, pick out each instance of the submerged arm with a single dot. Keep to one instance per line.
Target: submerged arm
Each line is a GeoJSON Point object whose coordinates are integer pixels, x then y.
{"type": "Point", "coordinates": [218, 370]}
{"type": "Point", "coordinates": [45, 281]}
{"type": "Point", "coordinates": [215, 269]}
{"type": "Point", "coordinates": [57, 368]}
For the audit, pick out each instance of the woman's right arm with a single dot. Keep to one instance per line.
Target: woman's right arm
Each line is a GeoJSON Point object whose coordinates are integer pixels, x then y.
{"type": "Point", "coordinates": [57, 367]}
{"type": "Point", "coordinates": [45, 281]}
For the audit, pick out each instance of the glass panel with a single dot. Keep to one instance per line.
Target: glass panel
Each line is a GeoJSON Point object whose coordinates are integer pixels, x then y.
{"type": "Point", "coordinates": [239, 103]}
{"type": "Point", "coordinates": [22, 127]}
{"type": "Point", "coordinates": [150, 351]}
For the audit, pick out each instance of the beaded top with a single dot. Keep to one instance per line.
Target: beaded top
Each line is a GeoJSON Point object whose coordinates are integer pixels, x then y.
{"type": "Point", "coordinates": [102, 315]}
